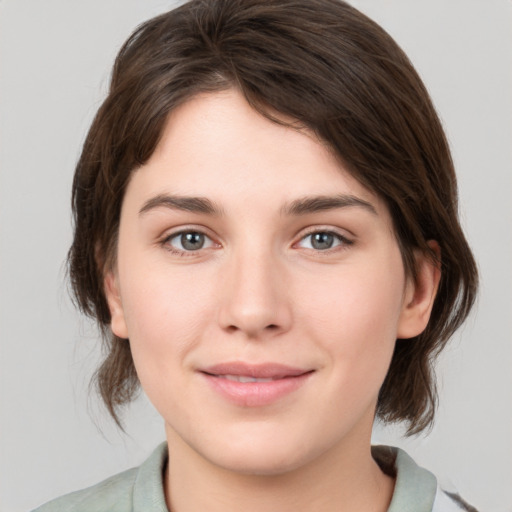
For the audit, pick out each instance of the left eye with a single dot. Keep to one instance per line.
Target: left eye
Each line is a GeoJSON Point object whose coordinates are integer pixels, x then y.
{"type": "Point", "coordinates": [187, 241]}
{"type": "Point", "coordinates": [322, 241]}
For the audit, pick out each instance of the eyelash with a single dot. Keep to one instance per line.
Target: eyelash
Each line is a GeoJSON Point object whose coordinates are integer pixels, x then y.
{"type": "Point", "coordinates": [183, 252]}
{"type": "Point", "coordinates": [342, 242]}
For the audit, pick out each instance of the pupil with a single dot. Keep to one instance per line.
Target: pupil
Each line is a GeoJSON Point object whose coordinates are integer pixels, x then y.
{"type": "Point", "coordinates": [192, 241]}
{"type": "Point", "coordinates": [322, 240]}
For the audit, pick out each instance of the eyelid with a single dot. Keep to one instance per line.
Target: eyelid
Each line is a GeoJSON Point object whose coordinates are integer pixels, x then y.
{"type": "Point", "coordinates": [170, 234]}
{"type": "Point", "coordinates": [346, 240]}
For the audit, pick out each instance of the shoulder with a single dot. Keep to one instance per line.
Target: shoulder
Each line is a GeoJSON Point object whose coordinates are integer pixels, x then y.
{"type": "Point", "coordinates": [116, 490]}
{"type": "Point", "coordinates": [130, 491]}
{"type": "Point", "coordinates": [415, 487]}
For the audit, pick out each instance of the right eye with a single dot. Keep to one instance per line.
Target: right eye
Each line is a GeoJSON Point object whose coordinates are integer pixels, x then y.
{"type": "Point", "coordinates": [187, 241]}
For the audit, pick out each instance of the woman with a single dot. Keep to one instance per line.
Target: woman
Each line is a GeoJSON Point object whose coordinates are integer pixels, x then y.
{"type": "Point", "coordinates": [266, 231]}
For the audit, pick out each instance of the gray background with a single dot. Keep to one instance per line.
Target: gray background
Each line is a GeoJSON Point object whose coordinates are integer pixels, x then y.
{"type": "Point", "coordinates": [55, 62]}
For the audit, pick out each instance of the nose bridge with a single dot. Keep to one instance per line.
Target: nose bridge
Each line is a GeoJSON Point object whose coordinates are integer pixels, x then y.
{"type": "Point", "coordinates": [255, 297]}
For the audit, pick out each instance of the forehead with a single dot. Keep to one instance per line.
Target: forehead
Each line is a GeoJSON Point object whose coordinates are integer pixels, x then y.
{"type": "Point", "coordinates": [216, 145]}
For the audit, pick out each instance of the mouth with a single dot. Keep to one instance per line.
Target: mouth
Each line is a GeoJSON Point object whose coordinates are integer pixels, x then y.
{"type": "Point", "coordinates": [244, 378]}
{"type": "Point", "coordinates": [266, 371]}
{"type": "Point", "coordinates": [249, 385]}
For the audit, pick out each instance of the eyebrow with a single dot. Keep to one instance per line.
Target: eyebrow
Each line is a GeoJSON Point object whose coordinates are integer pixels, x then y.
{"type": "Point", "coordinates": [301, 206]}
{"type": "Point", "coordinates": [184, 203]}
{"type": "Point", "coordinates": [305, 205]}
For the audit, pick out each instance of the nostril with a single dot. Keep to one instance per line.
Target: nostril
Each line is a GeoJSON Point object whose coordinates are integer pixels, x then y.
{"type": "Point", "coordinates": [270, 327]}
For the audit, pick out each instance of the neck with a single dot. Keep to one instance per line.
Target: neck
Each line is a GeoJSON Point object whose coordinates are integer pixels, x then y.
{"type": "Point", "coordinates": [341, 480]}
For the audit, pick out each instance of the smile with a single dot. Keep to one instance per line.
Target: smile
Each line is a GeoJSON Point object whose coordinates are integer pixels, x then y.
{"type": "Point", "coordinates": [245, 378]}
{"type": "Point", "coordinates": [247, 385]}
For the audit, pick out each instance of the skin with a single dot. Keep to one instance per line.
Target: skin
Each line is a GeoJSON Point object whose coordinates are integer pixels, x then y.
{"type": "Point", "coordinates": [260, 290]}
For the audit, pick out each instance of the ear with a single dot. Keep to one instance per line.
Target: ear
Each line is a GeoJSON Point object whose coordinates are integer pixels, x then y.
{"type": "Point", "coordinates": [420, 294]}
{"type": "Point", "coordinates": [117, 319]}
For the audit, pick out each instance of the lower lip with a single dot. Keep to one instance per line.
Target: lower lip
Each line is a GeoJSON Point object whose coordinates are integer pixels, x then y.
{"type": "Point", "coordinates": [255, 394]}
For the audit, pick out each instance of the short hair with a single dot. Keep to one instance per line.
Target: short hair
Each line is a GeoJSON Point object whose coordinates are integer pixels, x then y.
{"type": "Point", "coordinates": [332, 70]}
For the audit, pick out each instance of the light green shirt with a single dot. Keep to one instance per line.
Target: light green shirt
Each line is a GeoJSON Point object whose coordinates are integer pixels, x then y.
{"type": "Point", "coordinates": [141, 489]}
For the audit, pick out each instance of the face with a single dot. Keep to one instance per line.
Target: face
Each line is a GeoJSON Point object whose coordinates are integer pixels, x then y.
{"type": "Point", "coordinates": [261, 288]}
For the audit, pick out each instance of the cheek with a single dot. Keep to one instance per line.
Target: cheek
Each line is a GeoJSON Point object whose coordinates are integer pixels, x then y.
{"type": "Point", "coordinates": [354, 316]}
{"type": "Point", "coordinates": [165, 315]}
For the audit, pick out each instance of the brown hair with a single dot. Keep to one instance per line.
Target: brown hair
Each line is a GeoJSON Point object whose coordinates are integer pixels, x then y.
{"type": "Point", "coordinates": [333, 70]}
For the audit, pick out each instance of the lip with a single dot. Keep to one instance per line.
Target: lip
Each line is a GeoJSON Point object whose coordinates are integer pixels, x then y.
{"type": "Point", "coordinates": [233, 381]}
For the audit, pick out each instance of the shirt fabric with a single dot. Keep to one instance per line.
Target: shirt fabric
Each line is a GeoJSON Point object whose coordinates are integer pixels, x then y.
{"type": "Point", "coordinates": [141, 489]}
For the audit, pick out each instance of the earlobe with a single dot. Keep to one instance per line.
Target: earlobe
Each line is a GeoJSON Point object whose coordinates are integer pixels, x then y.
{"type": "Point", "coordinates": [420, 294]}
{"type": "Point", "coordinates": [117, 319]}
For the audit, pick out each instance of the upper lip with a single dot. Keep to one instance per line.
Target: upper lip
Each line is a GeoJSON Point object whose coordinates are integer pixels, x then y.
{"type": "Point", "coordinates": [258, 371]}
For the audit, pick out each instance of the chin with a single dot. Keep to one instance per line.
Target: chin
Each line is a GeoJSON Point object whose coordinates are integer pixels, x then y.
{"type": "Point", "coordinates": [260, 455]}
{"type": "Point", "coordinates": [259, 464]}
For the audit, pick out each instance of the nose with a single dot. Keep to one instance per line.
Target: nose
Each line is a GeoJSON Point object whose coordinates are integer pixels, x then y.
{"type": "Point", "coordinates": [255, 299]}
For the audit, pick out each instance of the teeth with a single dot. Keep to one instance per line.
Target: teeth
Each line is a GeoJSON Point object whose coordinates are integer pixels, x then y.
{"type": "Point", "coordinates": [244, 378]}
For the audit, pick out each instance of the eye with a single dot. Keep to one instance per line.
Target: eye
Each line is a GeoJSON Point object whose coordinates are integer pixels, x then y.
{"type": "Point", "coordinates": [188, 241]}
{"type": "Point", "coordinates": [323, 241]}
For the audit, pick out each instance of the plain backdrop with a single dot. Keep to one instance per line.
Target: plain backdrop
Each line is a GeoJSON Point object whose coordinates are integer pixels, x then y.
{"type": "Point", "coordinates": [55, 63]}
